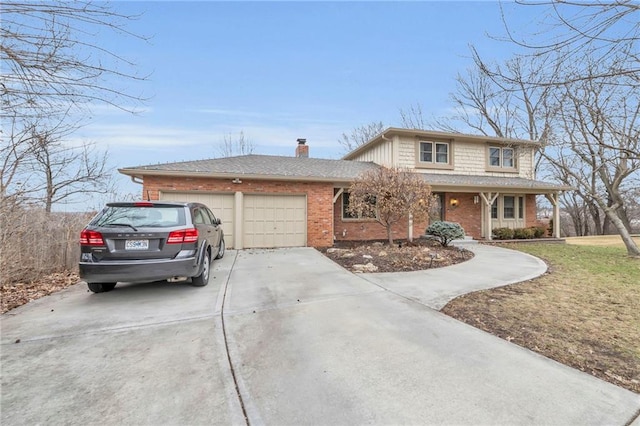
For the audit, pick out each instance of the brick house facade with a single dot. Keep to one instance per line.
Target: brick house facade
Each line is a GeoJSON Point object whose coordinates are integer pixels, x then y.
{"type": "Point", "coordinates": [269, 201]}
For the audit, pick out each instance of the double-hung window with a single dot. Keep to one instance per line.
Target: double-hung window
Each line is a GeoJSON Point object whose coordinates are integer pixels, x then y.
{"type": "Point", "coordinates": [502, 157]}
{"type": "Point", "coordinates": [437, 153]}
{"type": "Point", "coordinates": [509, 207]}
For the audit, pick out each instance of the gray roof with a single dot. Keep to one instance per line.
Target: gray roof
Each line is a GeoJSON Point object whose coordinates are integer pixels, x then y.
{"type": "Point", "coordinates": [311, 169]}
{"type": "Point", "coordinates": [477, 181]}
{"type": "Point", "coordinates": [263, 165]}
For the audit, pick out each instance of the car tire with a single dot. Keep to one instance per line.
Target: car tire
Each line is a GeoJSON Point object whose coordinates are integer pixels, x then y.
{"type": "Point", "coordinates": [221, 249]}
{"type": "Point", "coordinates": [203, 279]}
{"type": "Point", "coordinates": [101, 287]}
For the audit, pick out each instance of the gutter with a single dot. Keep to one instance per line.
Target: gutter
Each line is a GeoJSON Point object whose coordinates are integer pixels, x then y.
{"type": "Point", "coordinates": [138, 175]}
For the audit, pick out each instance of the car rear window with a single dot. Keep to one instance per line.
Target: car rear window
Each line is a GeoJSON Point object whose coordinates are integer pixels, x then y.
{"type": "Point", "coordinates": [162, 217]}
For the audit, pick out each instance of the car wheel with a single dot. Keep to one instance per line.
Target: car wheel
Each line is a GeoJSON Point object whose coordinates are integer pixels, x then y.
{"type": "Point", "coordinates": [202, 279]}
{"type": "Point", "coordinates": [101, 287]}
{"type": "Point", "coordinates": [221, 249]}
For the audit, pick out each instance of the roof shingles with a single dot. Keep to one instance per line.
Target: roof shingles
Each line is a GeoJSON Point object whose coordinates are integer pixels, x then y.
{"type": "Point", "coordinates": [274, 167]}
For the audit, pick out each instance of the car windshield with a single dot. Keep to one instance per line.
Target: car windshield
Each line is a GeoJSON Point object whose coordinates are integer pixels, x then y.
{"type": "Point", "coordinates": [140, 217]}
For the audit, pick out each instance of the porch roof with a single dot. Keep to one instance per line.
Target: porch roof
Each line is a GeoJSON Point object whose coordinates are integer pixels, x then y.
{"type": "Point", "coordinates": [466, 183]}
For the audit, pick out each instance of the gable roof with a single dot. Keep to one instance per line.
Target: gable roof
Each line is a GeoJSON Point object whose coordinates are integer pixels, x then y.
{"type": "Point", "coordinates": [260, 167]}
{"type": "Point", "coordinates": [432, 134]}
{"type": "Point", "coordinates": [273, 167]}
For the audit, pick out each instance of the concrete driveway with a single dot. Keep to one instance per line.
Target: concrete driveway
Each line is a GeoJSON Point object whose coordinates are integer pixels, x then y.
{"type": "Point", "coordinates": [308, 343]}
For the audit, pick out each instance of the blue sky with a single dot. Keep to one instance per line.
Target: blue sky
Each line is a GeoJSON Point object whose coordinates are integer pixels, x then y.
{"type": "Point", "coordinates": [280, 71]}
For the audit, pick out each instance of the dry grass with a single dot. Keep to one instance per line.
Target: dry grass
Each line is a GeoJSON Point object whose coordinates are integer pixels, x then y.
{"type": "Point", "coordinates": [600, 240]}
{"type": "Point", "coordinates": [35, 244]}
{"type": "Point", "coordinates": [584, 313]}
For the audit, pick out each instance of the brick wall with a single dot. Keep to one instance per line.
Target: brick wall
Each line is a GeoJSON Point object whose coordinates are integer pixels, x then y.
{"type": "Point", "coordinates": [319, 198]}
{"type": "Point", "coordinates": [322, 214]}
{"type": "Point", "coordinates": [531, 211]}
{"type": "Point", "coordinates": [466, 213]}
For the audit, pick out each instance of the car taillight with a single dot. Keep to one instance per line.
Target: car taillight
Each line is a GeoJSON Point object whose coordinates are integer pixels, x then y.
{"type": "Point", "coordinates": [183, 236]}
{"type": "Point", "coordinates": [91, 238]}
{"type": "Point", "coordinates": [143, 204]}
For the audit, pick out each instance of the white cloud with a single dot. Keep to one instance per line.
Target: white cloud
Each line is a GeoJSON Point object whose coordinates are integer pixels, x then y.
{"type": "Point", "coordinates": [143, 136]}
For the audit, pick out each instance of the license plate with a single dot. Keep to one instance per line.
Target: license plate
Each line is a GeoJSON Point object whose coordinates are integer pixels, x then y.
{"type": "Point", "coordinates": [136, 245]}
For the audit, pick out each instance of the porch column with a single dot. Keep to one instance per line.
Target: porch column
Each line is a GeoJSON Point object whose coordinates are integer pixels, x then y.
{"type": "Point", "coordinates": [488, 198]}
{"type": "Point", "coordinates": [554, 199]}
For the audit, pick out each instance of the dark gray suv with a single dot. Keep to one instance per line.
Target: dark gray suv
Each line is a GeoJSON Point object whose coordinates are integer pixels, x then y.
{"type": "Point", "coordinates": [149, 241]}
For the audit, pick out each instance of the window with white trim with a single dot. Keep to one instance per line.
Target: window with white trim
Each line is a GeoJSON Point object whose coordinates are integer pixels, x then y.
{"type": "Point", "coordinates": [434, 152]}
{"type": "Point", "coordinates": [502, 157]}
{"type": "Point", "coordinates": [520, 207]}
{"type": "Point", "coordinates": [509, 207]}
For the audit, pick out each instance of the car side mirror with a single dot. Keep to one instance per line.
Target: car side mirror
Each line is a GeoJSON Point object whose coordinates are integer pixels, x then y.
{"type": "Point", "coordinates": [218, 221]}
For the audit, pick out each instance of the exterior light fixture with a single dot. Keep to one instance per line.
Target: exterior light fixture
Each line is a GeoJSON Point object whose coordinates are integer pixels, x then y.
{"type": "Point", "coordinates": [236, 180]}
{"type": "Point", "coordinates": [453, 202]}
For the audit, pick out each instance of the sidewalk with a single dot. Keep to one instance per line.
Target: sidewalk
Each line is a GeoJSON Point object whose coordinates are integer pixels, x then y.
{"type": "Point", "coordinates": [491, 267]}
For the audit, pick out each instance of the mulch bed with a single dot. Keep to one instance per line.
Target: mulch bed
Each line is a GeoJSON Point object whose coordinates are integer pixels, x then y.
{"type": "Point", "coordinates": [402, 256]}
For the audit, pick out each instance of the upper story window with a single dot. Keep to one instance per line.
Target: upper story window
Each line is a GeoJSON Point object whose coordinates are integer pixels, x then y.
{"type": "Point", "coordinates": [434, 154]}
{"type": "Point", "coordinates": [502, 157]}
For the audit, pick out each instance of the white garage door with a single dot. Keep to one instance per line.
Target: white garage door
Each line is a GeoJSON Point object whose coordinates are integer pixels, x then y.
{"type": "Point", "coordinates": [275, 221]}
{"type": "Point", "coordinates": [222, 205]}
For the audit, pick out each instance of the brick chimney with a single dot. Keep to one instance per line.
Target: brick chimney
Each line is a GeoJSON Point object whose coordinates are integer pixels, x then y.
{"type": "Point", "coordinates": [302, 150]}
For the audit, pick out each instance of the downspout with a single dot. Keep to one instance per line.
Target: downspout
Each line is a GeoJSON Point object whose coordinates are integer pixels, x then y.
{"type": "Point", "coordinates": [136, 179]}
{"type": "Point", "coordinates": [394, 154]}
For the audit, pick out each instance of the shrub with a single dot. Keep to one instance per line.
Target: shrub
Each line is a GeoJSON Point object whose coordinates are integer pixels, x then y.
{"type": "Point", "coordinates": [445, 232]}
{"type": "Point", "coordinates": [503, 233]}
{"type": "Point", "coordinates": [538, 231]}
{"type": "Point", "coordinates": [523, 233]}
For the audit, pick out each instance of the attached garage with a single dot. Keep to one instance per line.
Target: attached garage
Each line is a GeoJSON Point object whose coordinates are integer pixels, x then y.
{"type": "Point", "coordinates": [266, 221]}
{"type": "Point", "coordinates": [222, 205]}
{"type": "Point", "coordinates": [274, 221]}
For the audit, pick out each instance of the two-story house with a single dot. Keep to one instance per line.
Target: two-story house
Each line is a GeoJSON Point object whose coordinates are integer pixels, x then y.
{"type": "Point", "coordinates": [276, 201]}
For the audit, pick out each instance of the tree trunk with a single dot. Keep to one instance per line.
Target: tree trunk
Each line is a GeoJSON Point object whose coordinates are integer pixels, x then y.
{"type": "Point", "coordinates": [595, 215]}
{"type": "Point", "coordinates": [632, 248]}
{"type": "Point", "coordinates": [390, 235]}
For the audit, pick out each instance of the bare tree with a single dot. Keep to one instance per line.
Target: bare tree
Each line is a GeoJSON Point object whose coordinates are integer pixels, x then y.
{"type": "Point", "coordinates": [50, 64]}
{"type": "Point", "coordinates": [360, 135]}
{"type": "Point", "coordinates": [567, 29]}
{"type": "Point", "coordinates": [68, 171]}
{"type": "Point", "coordinates": [412, 118]}
{"type": "Point", "coordinates": [53, 73]}
{"type": "Point", "coordinates": [598, 125]}
{"type": "Point", "coordinates": [232, 146]}
{"type": "Point", "coordinates": [390, 195]}
{"type": "Point", "coordinates": [40, 167]}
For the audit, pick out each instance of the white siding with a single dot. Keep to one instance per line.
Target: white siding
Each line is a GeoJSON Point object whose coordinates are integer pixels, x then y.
{"type": "Point", "coordinates": [526, 163]}
{"type": "Point", "coordinates": [382, 154]}
{"type": "Point", "coordinates": [469, 158]}
{"type": "Point", "coordinates": [406, 153]}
